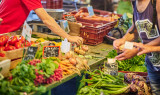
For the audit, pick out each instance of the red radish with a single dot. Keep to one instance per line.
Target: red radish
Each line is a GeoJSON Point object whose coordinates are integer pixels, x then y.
{"type": "Point", "coordinates": [84, 47]}
{"type": "Point", "coordinates": [73, 61]}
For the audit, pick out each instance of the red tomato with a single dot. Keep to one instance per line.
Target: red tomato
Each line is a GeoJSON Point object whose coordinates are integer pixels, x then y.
{"type": "Point", "coordinates": [2, 48]}
{"type": "Point", "coordinates": [22, 39]}
{"type": "Point", "coordinates": [18, 45]}
{"type": "Point", "coordinates": [9, 48]}
{"type": "Point", "coordinates": [13, 40]}
{"type": "Point", "coordinates": [27, 43]}
{"type": "Point", "coordinates": [3, 40]}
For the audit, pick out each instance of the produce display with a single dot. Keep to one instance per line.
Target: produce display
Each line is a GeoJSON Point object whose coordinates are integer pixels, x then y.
{"type": "Point", "coordinates": [124, 84]}
{"type": "Point", "coordinates": [135, 64]}
{"type": "Point", "coordinates": [32, 75]}
{"type": "Point", "coordinates": [85, 15]}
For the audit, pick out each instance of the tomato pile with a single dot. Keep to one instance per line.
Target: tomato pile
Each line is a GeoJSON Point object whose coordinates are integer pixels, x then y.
{"type": "Point", "coordinates": [11, 43]}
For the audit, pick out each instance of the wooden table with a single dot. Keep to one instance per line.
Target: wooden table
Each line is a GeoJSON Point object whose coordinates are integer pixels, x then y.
{"type": "Point", "coordinates": [99, 51]}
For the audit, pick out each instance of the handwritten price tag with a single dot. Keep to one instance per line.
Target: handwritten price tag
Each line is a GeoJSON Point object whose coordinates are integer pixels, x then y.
{"type": "Point", "coordinates": [128, 45]}
{"type": "Point", "coordinates": [90, 10]}
{"type": "Point", "coordinates": [27, 31]}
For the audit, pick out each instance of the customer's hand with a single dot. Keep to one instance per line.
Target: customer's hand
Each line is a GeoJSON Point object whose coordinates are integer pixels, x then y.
{"type": "Point", "coordinates": [143, 48]}
{"type": "Point", "coordinates": [77, 39]}
{"type": "Point", "coordinates": [1, 20]}
{"type": "Point", "coordinates": [127, 54]}
{"type": "Point", "coordinates": [117, 43]}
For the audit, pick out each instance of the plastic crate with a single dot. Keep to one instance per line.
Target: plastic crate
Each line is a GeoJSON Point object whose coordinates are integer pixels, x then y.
{"type": "Point", "coordinates": [44, 3]}
{"type": "Point", "coordinates": [54, 4]}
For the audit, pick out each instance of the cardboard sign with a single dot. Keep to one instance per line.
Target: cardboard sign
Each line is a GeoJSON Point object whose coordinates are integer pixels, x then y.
{"type": "Point", "coordinates": [27, 31]}
{"type": "Point", "coordinates": [111, 67]}
{"type": "Point", "coordinates": [69, 17]}
{"type": "Point", "coordinates": [51, 51]}
{"type": "Point", "coordinates": [90, 10]}
{"type": "Point", "coordinates": [128, 45]}
{"type": "Point", "coordinates": [31, 52]}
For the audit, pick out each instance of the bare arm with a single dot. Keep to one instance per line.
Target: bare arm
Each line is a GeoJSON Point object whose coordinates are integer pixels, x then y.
{"type": "Point", "coordinates": [130, 36]}
{"type": "Point", "coordinates": [52, 25]}
{"type": "Point", "coordinates": [1, 20]}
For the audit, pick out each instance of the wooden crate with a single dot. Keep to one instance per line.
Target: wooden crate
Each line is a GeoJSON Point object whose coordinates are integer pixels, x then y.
{"type": "Point", "coordinates": [5, 66]}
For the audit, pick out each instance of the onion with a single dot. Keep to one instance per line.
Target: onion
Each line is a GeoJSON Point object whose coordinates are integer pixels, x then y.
{"type": "Point", "coordinates": [69, 54]}
{"type": "Point", "coordinates": [84, 47]}
{"type": "Point", "coordinates": [82, 52]}
{"type": "Point", "coordinates": [76, 49]}
{"type": "Point", "coordinates": [73, 61]}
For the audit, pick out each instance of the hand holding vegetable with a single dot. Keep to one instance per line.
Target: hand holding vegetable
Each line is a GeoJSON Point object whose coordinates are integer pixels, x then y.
{"type": "Point", "coordinates": [127, 54]}
{"type": "Point", "coordinates": [117, 43]}
{"type": "Point", "coordinates": [145, 48]}
{"type": "Point", "coordinates": [76, 39]}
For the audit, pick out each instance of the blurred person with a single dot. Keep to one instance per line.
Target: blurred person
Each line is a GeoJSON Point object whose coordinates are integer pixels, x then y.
{"type": "Point", "coordinates": [106, 5]}
{"type": "Point", "coordinates": [144, 20]}
{"type": "Point", "coordinates": [15, 12]}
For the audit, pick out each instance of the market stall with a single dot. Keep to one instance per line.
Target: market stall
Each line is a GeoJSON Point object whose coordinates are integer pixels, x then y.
{"type": "Point", "coordinates": [36, 62]}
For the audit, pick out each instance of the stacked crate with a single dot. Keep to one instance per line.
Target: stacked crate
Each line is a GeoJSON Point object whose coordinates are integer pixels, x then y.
{"type": "Point", "coordinates": [92, 31]}
{"type": "Point", "coordinates": [54, 4]}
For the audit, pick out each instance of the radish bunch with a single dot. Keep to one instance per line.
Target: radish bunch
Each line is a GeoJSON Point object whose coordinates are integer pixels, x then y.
{"type": "Point", "coordinates": [34, 62]}
{"type": "Point", "coordinates": [39, 77]}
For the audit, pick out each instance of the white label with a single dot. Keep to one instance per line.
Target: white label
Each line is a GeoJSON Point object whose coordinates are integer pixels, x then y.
{"type": "Point", "coordinates": [90, 10]}
{"type": "Point", "coordinates": [109, 60]}
{"type": "Point", "coordinates": [27, 31]}
{"type": "Point", "coordinates": [128, 45]}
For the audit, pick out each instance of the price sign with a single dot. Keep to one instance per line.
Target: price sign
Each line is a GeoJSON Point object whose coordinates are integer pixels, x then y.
{"type": "Point", "coordinates": [128, 45]}
{"type": "Point", "coordinates": [51, 51]}
{"type": "Point", "coordinates": [90, 10]}
{"type": "Point", "coordinates": [69, 17]}
{"type": "Point", "coordinates": [111, 67]}
{"type": "Point", "coordinates": [27, 31]}
{"type": "Point", "coordinates": [31, 51]}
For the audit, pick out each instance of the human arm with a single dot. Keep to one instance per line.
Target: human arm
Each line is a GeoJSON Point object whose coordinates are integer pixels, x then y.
{"type": "Point", "coordinates": [143, 49]}
{"type": "Point", "coordinates": [1, 20]}
{"type": "Point", "coordinates": [127, 53]}
{"type": "Point", "coordinates": [127, 37]}
{"type": "Point", "coordinates": [54, 27]}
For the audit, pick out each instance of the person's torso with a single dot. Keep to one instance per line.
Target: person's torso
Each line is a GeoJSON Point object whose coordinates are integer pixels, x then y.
{"type": "Point", "coordinates": [13, 13]}
{"type": "Point", "coordinates": [143, 22]}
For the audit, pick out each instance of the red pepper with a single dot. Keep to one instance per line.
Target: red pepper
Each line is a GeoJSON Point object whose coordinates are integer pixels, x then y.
{"type": "Point", "coordinates": [27, 43]}
{"type": "Point", "coordinates": [3, 40]}
{"type": "Point", "coordinates": [22, 39]}
{"type": "Point", "coordinates": [18, 45]}
{"type": "Point", "coordinates": [13, 40]}
{"type": "Point", "coordinates": [10, 48]}
{"type": "Point", "coordinates": [2, 48]}
{"type": "Point", "coordinates": [2, 55]}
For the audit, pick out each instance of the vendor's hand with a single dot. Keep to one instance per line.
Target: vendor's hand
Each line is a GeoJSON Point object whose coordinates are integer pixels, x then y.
{"type": "Point", "coordinates": [117, 43]}
{"type": "Point", "coordinates": [1, 20]}
{"type": "Point", "coordinates": [143, 48]}
{"type": "Point", "coordinates": [77, 39]}
{"type": "Point", "coordinates": [127, 54]}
